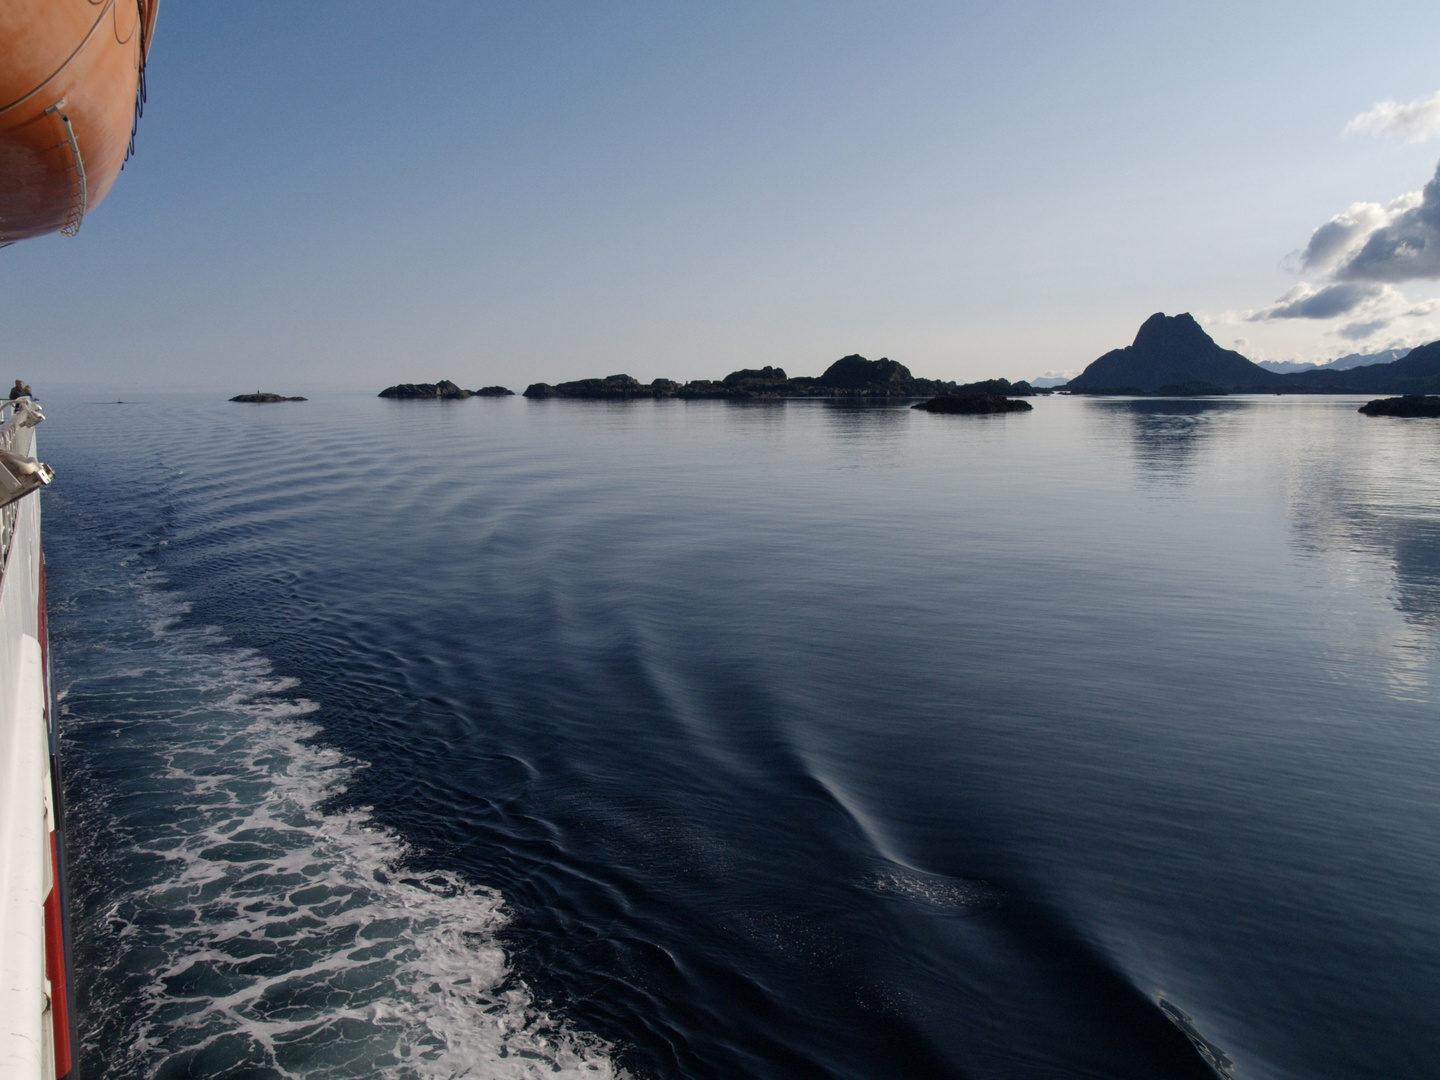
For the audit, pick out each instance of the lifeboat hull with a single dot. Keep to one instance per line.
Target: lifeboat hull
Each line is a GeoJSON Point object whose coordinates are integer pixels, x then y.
{"type": "Point", "coordinates": [70, 86]}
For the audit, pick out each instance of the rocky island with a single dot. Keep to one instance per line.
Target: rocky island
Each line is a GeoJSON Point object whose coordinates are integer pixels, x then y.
{"type": "Point", "coordinates": [849, 377]}
{"type": "Point", "coordinates": [973, 404]}
{"type": "Point", "coordinates": [1408, 405]}
{"type": "Point", "coordinates": [263, 399]}
{"type": "Point", "coordinates": [444, 390]}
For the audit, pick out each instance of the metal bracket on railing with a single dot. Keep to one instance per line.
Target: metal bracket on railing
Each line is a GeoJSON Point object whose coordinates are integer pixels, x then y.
{"type": "Point", "coordinates": [72, 219]}
{"type": "Point", "coordinates": [25, 413]}
{"type": "Point", "coordinates": [21, 475]}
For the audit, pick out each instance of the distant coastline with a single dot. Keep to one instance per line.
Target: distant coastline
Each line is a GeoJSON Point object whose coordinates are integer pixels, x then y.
{"type": "Point", "coordinates": [849, 377]}
{"type": "Point", "coordinates": [1170, 357]}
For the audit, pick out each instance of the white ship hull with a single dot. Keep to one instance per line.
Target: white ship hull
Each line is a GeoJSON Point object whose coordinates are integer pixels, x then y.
{"type": "Point", "coordinates": [37, 1040]}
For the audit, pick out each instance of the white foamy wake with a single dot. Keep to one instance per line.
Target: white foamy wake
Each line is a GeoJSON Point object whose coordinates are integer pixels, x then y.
{"type": "Point", "coordinates": [253, 933]}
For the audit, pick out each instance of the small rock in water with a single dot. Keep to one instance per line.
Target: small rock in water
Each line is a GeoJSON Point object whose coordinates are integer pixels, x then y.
{"type": "Point", "coordinates": [258, 398]}
{"type": "Point", "coordinates": [973, 404]}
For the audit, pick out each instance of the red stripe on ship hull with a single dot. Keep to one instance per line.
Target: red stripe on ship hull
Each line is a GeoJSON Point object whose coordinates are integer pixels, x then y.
{"type": "Point", "coordinates": [55, 969]}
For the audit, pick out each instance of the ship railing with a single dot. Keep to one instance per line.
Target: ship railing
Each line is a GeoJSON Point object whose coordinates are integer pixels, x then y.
{"type": "Point", "coordinates": [20, 473]}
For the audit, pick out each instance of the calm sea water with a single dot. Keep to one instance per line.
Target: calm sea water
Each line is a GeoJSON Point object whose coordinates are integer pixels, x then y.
{"type": "Point", "coordinates": [510, 738]}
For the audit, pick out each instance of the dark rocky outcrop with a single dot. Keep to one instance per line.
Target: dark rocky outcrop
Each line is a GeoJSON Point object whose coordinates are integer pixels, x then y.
{"type": "Point", "coordinates": [443, 390]}
{"type": "Point", "coordinates": [851, 376]}
{"type": "Point", "coordinates": [743, 385]}
{"type": "Point", "coordinates": [610, 388]}
{"type": "Point", "coordinates": [494, 391]}
{"type": "Point", "coordinates": [1408, 405]}
{"type": "Point", "coordinates": [854, 372]}
{"type": "Point", "coordinates": [263, 399]}
{"type": "Point", "coordinates": [1170, 351]}
{"type": "Point", "coordinates": [766, 376]}
{"type": "Point", "coordinates": [973, 404]}
{"type": "Point", "coordinates": [710, 390]}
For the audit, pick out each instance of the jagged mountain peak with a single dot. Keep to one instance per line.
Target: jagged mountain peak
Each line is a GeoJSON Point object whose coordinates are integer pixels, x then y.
{"type": "Point", "coordinates": [1161, 329]}
{"type": "Point", "coordinates": [1169, 350]}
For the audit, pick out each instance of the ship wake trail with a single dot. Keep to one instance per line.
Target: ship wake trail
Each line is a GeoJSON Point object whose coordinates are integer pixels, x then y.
{"type": "Point", "coordinates": [229, 922]}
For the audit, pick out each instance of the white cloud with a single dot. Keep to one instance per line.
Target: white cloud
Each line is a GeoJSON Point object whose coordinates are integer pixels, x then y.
{"type": "Point", "coordinates": [1359, 331]}
{"type": "Point", "coordinates": [1416, 122]}
{"type": "Point", "coordinates": [1343, 234]}
{"type": "Point", "coordinates": [1358, 257]}
{"type": "Point", "coordinates": [1354, 266]}
{"type": "Point", "coordinates": [1305, 301]}
{"type": "Point", "coordinates": [1405, 248]}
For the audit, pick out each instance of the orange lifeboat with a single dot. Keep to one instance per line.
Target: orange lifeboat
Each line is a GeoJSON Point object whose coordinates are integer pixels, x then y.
{"type": "Point", "coordinates": [72, 82]}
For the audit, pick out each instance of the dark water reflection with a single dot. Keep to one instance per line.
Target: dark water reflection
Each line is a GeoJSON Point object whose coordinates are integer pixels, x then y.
{"type": "Point", "coordinates": [1372, 493]}
{"type": "Point", "coordinates": [848, 421]}
{"type": "Point", "coordinates": [1416, 547]}
{"type": "Point", "coordinates": [1170, 434]}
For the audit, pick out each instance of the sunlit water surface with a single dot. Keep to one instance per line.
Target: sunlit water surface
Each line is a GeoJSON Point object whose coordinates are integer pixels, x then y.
{"type": "Point", "coordinates": [511, 738]}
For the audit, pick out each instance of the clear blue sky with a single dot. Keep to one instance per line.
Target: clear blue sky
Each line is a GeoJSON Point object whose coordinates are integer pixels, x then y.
{"type": "Point", "coordinates": [347, 195]}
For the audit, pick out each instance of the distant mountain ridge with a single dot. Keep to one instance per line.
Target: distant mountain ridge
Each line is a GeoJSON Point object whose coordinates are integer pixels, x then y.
{"type": "Point", "coordinates": [1418, 372]}
{"type": "Point", "coordinates": [1173, 355]}
{"type": "Point", "coordinates": [1341, 363]}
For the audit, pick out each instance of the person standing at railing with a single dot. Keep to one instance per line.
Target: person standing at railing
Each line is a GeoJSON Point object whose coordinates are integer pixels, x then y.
{"type": "Point", "coordinates": [20, 390]}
